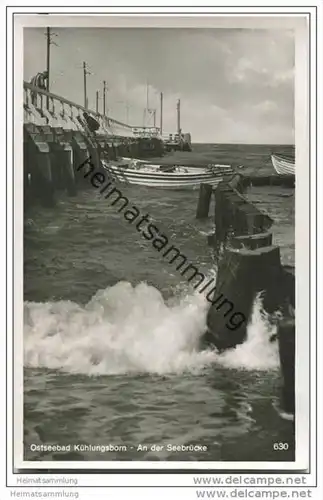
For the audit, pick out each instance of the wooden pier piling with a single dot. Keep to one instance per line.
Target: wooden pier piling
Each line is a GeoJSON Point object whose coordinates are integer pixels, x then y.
{"type": "Point", "coordinates": [286, 343]}
{"type": "Point", "coordinates": [203, 206]}
{"type": "Point", "coordinates": [37, 166]}
{"type": "Point", "coordinates": [65, 155]}
{"type": "Point", "coordinates": [234, 215]}
{"type": "Point", "coordinates": [242, 274]}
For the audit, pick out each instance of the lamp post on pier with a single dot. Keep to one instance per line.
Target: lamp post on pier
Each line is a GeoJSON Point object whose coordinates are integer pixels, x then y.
{"type": "Point", "coordinates": [85, 73]}
{"type": "Point", "coordinates": [48, 64]}
{"type": "Point", "coordinates": [105, 88]}
{"type": "Point", "coordinates": [97, 101]}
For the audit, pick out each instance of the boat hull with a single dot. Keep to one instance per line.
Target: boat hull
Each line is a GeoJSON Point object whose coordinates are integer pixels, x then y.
{"type": "Point", "coordinates": [168, 180]}
{"type": "Point", "coordinates": [283, 166]}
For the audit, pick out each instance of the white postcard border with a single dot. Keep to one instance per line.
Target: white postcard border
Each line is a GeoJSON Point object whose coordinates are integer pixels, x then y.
{"type": "Point", "coordinates": [302, 259]}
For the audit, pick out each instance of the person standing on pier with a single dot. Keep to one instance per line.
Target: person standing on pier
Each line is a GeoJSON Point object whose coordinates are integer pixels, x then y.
{"type": "Point", "coordinates": [90, 126]}
{"type": "Point", "coordinates": [39, 81]}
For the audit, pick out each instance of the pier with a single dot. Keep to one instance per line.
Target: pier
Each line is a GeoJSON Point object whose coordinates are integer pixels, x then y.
{"type": "Point", "coordinates": [57, 139]}
{"type": "Point", "coordinates": [248, 264]}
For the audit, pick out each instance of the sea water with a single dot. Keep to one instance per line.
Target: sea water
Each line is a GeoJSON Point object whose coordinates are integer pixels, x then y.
{"type": "Point", "coordinates": [114, 368]}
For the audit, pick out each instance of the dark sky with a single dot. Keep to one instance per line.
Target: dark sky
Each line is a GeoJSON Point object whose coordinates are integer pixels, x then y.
{"type": "Point", "coordinates": [235, 85]}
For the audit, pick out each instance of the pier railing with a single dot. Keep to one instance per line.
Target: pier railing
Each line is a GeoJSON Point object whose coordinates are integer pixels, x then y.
{"type": "Point", "coordinates": [45, 108]}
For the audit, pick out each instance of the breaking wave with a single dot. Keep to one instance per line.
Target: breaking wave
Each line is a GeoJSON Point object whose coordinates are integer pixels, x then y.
{"type": "Point", "coordinates": [132, 329]}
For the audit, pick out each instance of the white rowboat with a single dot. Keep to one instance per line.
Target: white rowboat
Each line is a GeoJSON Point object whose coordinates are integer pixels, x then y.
{"type": "Point", "coordinates": [283, 166]}
{"type": "Point", "coordinates": [171, 177]}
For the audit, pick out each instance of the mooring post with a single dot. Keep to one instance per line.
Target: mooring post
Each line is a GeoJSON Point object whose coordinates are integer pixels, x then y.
{"type": "Point", "coordinates": [204, 200]}
{"type": "Point", "coordinates": [241, 275]}
{"type": "Point", "coordinates": [286, 343]}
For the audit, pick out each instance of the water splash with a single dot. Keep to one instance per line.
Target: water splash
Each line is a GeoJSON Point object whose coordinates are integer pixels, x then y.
{"type": "Point", "coordinates": [257, 353]}
{"type": "Point", "coordinates": [126, 329]}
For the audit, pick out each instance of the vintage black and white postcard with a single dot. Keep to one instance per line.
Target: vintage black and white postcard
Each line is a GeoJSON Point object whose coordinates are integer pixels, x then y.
{"type": "Point", "coordinates": [161, 253]}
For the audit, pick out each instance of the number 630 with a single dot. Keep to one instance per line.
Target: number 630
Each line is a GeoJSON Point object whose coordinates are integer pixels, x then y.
{"type": "Point", "coordinates": [280, 446]}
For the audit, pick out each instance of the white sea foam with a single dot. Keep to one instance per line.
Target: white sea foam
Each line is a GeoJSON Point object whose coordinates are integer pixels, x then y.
{"type": "Point", "coordinates": [126, 329]}
{"type": "Point", "coordinates": [257, 353]}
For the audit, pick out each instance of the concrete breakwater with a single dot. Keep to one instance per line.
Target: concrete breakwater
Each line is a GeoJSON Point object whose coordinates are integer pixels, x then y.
{"type": "Point", "coordinates": [249, 264]}
{"type": "Point", "coordinates": [58, 138]}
